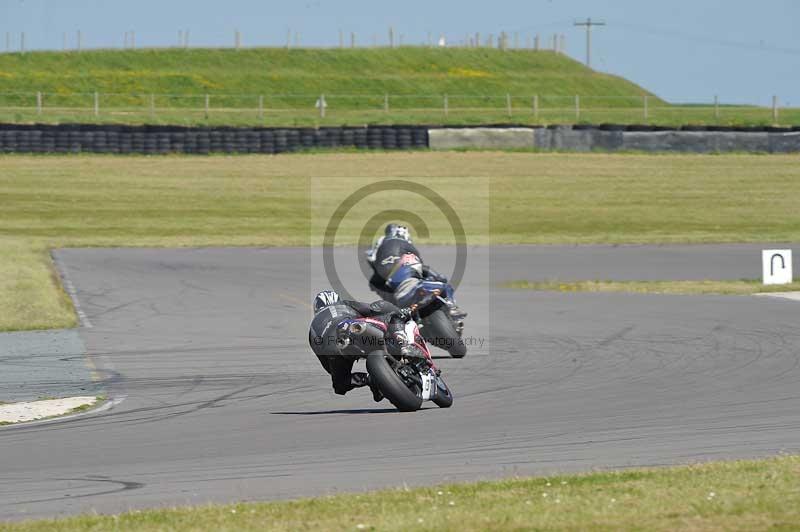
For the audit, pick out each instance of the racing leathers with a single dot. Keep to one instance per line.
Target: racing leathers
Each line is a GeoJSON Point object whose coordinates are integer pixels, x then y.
{"type": "Point", "coordinates": [322, 337]}
{"type": "Point", "coordinates": [398, 271]}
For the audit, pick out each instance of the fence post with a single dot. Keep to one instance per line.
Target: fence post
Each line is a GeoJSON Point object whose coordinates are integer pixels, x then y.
{"type": "Point", "coordinates": [386, 103]}
{"type": "Point", "coordinates": [645, 107]}
{"type": "Point", "coordinates": [446, 110]}
{"type": "Point", "coordinates": [774, 109]}
{"type": "Point", "coordinates": [260, 107]}
{"type": "Point", "coordinates": [352, 39]}
{"type": "Point", "coordinates": [577, 107]}
{"type": "Point", "coordinates": [238, 39]}
{"type": "Point", "coordinates": [322, 106]}
{"type": "Point", "coordinates": [207, 102]}
{"type": "Point", "coordinates": [39, 102]}
{"type": "Point", "coordinates": [152, 106]}
{"type": "Point", "coordinates": [536, 42]}
{"type": "Point", "coordinates": [508, 104]}
{"type": "Point", "coordinates": [536, 107]}
{"type": "Point", "coordinates": [716, 107]}
{"type": "Point", "coordinates": [96, 103]}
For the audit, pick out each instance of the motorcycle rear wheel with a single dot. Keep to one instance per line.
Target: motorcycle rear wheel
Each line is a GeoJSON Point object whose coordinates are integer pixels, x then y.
{"type": "Point", "coordinates": [440, 331]}
{"type": "Point", "coordinates": [390, 384]}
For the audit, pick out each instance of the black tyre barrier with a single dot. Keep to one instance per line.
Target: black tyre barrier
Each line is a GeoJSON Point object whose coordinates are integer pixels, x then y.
{"type": "Point", "coordinates": [157, 139]}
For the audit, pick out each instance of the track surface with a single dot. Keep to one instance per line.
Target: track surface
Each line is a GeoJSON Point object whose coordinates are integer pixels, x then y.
{"type": "Point", "coordinates": [224, 401]}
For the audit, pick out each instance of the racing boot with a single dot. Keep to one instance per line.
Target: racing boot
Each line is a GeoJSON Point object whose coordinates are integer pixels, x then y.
{"type": "Point", "coordinates": [456, 313]}
{"type": "Point", "coordinates": [377, 395]}
{"type": "Point", "coordinates": [359, 379]}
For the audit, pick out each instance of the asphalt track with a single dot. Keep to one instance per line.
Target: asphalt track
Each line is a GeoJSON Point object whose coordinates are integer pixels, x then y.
{"type": "Point", "coordinates": [224, 402]}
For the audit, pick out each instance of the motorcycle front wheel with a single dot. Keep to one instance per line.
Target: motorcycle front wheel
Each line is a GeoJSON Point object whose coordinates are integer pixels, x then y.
{"type": "Point", "coordinates": [444, 397]}
{"type": "Point", "coordinates": [390, 383]}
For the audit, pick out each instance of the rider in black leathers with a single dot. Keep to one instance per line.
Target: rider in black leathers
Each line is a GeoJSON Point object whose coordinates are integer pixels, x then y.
{"type": "Point", "coordinates": [329, 312]}
{"type": "Point", "coordinates": [398, 270]}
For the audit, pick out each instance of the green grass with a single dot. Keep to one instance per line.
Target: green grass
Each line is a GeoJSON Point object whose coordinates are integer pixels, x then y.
{"type": "Point", "coordinates": [741, 495]}
{"type": "Point", "coordinates": [502, 198]}
{"type": "Point", "coordinates": [354, 82]}
{"type": "Point", "coordinates": [740, 287]}
{"type": "Point", "coordinates": [282, 74]}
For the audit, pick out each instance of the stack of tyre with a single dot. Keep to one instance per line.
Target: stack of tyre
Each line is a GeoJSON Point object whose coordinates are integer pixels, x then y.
{"type": "Point", "coordinates": [154, 139]}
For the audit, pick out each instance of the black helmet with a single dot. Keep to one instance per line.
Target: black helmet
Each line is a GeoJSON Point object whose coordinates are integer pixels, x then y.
{"type": "Point", "coordinates": [324, 299]}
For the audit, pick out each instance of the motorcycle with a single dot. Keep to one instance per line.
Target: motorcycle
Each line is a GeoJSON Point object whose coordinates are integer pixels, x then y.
{"type": "Point", "coordinates": [437, 315]}
{"type": "Point", "coordinates": [406, 382]}
{"type": "Point", "coordinates": [436, 312]}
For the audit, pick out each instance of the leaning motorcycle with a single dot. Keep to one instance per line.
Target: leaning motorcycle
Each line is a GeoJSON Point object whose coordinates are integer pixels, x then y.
{"type": "Point", "coordinates": [407, 381]}
{"type": "Point", "coordinates": [435, 314]}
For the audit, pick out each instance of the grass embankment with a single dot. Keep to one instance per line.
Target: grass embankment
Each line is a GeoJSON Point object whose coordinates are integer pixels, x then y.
{"type": "Point", "coordinates": [740, 287]}
{"type": "Point", "coordinates": [353, 80]}
{"type": "Point", "coordinates": [505, 198]}
{"type": "Point", "coordinates": [742, 495]}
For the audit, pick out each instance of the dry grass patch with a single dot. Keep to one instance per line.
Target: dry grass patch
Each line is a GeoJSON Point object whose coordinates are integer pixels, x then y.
{"type": "Point", "coordinates": [741, 287]}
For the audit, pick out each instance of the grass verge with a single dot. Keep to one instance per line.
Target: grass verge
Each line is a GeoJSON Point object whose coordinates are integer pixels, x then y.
{"type": "Point", "coordinates": [740, 495]}
{"type": "Point", "coordinates": [741, 287]}
{"type": "Point", "coordinates": [361, 86]}
{"type": "Point", "coordinates": [177, 201]}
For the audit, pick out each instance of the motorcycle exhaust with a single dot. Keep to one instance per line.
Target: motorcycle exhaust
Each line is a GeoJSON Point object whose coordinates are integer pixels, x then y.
{"type": "Point", "coordinates": [357, 328]}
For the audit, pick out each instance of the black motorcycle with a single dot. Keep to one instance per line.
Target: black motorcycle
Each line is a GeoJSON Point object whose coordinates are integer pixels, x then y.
{"type": "Point", "coordinates": [406, 381]}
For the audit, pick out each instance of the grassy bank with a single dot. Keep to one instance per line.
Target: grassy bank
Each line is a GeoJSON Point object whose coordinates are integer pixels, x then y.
{"type": "Point", "coordinates": [741, 287]}
{"type": "Point", "coordinates": [283, 74]}
{"type": "Point", "coordinates": [275, 86]}
{"type": "Point", "coordinates": [742, 495]}
{"type": "Point", "coordinates": [504, 198]}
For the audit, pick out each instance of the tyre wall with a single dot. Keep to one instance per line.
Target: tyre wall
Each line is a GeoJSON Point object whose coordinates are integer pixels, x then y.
{"type": "Point", "coordinates": [79, 138]}
{"type": "Point", "coordinates": [92, 138]}
{"type": "Point", "coordinates": [608, 137]}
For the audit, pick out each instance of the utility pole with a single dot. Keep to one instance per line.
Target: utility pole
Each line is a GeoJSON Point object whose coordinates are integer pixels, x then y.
{"type": "Point", "coordinates": [589, 23]}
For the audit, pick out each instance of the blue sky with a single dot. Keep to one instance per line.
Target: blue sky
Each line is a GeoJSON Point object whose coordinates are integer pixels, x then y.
{"type": "Point", "coordinates": [744, 51]}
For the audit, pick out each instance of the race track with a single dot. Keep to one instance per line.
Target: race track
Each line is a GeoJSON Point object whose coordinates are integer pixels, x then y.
{"type": "Point", "coordinates": [221, 399]}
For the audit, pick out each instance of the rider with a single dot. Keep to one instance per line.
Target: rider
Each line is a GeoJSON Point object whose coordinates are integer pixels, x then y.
{"type": "Point", "coordinates": [398, 269]}
{"type": "Point", "coordinates": [329, 311]}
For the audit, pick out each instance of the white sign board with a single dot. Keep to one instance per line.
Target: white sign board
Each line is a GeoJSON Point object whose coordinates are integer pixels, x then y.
{"type": "Point", "coordinates": [777, 266]}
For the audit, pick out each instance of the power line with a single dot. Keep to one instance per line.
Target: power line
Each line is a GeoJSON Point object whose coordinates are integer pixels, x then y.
{"type": "Point", "coordinates": [589, 23]}
{"type": "Point", "coordinates": [664, 32]}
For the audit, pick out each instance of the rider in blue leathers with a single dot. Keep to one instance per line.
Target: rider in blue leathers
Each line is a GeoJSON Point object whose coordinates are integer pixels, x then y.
{"type": "Point", "coordinates": [398, 270]}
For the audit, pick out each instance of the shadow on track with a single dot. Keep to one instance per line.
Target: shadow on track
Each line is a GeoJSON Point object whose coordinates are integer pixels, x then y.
{"type": "Point", "coordinates": [351, 411]}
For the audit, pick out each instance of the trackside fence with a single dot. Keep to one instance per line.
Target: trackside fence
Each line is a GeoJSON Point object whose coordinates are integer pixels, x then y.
{"type": "Point", "coordinates": [347, 109]}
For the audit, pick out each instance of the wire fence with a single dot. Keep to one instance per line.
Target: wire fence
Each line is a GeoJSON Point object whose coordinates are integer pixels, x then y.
{"type": "Point", "coordinates": [282, 109]}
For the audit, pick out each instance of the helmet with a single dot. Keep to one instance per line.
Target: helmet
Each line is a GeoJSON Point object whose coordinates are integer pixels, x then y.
{"type": "Point", "coordinates": [398, 231]}
{"type": "Point", "coordinates": [324, 299]}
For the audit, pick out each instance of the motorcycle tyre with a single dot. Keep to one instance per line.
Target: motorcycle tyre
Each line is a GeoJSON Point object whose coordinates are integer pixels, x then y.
{"type": "Point", "coordinates": [390, 384]}
{"type": "Point", "coordinates": [442, 399]}
{"type": "Point", "coordinates": [441, 326]}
